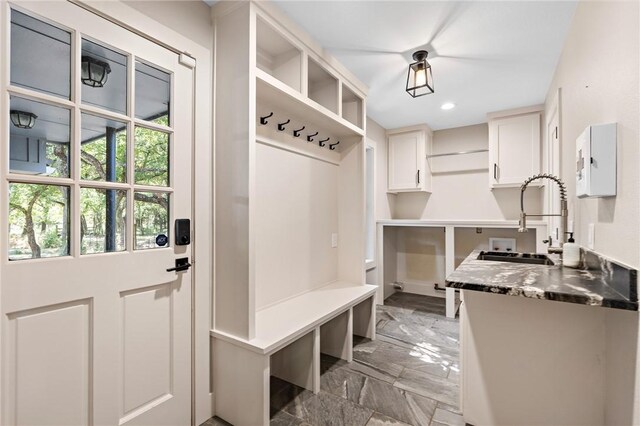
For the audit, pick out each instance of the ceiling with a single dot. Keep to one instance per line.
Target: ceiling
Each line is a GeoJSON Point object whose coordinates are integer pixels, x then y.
{"type": "Point", "coordinates": [485, 56]}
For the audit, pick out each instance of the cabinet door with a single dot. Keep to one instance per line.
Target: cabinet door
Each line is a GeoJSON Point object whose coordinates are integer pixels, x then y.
{"type": "Point", "coordinates": [404, 151]}
{"type": "Point", "coordinates": [514, 149]}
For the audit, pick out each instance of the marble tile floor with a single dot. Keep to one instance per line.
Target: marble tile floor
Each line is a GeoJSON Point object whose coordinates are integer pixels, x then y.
{"type": "Point", "coordinates": [407, 376]}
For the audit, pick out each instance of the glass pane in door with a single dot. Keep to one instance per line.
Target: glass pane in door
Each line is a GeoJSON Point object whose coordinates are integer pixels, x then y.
{"type": "Point", "coordinates": [103, 149]}
{"type": "Point", "coordinates": [104, 77]}
{"type": "Point", "coordinates": [40, 56]}
{"type": "Point", "coordinates": [39, 136]}
{"type": "Point", "coordinates": [153, 94]}
{"type": "Point", "coordinates": [38, 221]}
{"type": "Point", "coordinates": [102, 220]}
{"type": "Point", "coordinates": [151, 215]}
{"type": "Point", "coordinates": [151, 151]}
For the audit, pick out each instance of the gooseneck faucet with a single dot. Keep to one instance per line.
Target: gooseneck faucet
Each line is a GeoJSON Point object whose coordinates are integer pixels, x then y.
{"type": "Point", "coordinates": [564, 213]}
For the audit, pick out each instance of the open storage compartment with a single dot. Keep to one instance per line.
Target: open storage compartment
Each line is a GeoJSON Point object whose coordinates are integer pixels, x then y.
{"type": "Point", "coordinates": [420, 259]}
{"type": "Point", "coordinates": [323, 87]}
{"type": "Point", "coordinates": [351, 106]}
{"type": "Point", "coordinates": [277, 56]}
{"type": "Point", "coordinates": [363, 315]}
{"type": "Point", "coordinates": [336, 337]}
{"type": "Point", "coordinates": [295, 362]}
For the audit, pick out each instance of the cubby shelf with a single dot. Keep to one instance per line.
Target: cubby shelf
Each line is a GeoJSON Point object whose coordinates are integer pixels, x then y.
{"type": "Point", "coordinates": [271, 91]}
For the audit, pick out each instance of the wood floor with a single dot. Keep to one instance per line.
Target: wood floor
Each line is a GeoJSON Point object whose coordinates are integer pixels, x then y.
{"type": "Point", "coordinates": [407, 376]}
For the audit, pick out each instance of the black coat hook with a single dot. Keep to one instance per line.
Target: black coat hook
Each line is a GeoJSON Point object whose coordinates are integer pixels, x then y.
{"type": "Point", "coordinates": [322, 142]}
{"type": "Point", "coordinates": [263, 120]}
{"type": "Point", "coordinates": [281, 125]}
{"type": "Point", "coordinates": [332, 146]}
{"type": "Point", "coordinates": [310, 137]}
{"type": "Point", "coordinates": [296, 133]}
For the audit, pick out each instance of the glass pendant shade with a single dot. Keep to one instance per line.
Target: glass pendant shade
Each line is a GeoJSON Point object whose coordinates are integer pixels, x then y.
{"type": "Point", "coordinates": [22, 119]}
{"type": "Point", "coordinates": [94, 72]}
{"type": "Point", "coordinates": [419, 78]}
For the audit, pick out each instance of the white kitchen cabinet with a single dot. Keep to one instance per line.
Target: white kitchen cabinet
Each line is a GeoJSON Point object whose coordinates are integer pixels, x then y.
{"type": "Point", "coordinates": [408, 167]}
{"type": "Point", "coordinates": [514, 149]}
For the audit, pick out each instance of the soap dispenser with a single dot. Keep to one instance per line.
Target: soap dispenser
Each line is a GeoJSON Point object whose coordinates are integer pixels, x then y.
{"type": "Point", "coordinates": [571, 253]}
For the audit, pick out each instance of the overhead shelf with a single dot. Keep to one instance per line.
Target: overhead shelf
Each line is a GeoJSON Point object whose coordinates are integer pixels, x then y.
{"type": "Point", "coordinates": [271, 91]}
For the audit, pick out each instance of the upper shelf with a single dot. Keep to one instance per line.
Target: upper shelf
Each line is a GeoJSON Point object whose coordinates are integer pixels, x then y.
{"type": "Point", "coordinates": [301, 81]}
{"type": "Point", "coordinates": [272, 91]}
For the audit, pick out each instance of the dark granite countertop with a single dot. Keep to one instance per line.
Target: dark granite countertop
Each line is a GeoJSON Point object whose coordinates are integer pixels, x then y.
{"type": "Point", "coordinates": [598, 282]}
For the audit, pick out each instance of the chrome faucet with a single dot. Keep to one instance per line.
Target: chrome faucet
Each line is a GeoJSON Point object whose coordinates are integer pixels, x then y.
{"type": "Point", "coordinates": [564, 213]}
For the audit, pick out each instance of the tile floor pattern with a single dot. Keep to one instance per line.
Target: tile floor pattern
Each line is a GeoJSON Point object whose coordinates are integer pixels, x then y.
{"type": "Point", "coordinates": [407, 376]}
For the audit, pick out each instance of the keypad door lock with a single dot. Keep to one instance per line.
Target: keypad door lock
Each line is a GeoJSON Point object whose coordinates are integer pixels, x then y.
{"type": "Point", "coordinates": [183, 232]}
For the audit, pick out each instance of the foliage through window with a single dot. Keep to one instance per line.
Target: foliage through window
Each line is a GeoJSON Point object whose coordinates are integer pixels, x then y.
{"type": "Point", "coordinates": [151, 156]}
{"type": "Point", "coordinates": [38, 221]}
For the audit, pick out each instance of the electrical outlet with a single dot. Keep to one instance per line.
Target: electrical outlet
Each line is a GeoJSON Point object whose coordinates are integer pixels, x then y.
{"type": "Point", "coordinates": [334, 240]}
{"type": "Point", "coordinates": [591, 238]}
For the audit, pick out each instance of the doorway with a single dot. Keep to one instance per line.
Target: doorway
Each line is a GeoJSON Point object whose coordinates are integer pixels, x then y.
{"type": "Point", "coordinates": [97, 123]}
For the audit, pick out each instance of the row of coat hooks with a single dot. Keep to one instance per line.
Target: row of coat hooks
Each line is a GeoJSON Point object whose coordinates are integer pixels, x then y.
{"type": "Point", "coordinates": [298, 132]}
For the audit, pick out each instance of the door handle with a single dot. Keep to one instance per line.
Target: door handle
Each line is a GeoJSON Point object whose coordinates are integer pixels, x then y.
{"type": "Point", "coordinates": [495, 171]}
{"type": "Point", "coordinates": [418, 177]}
{"type": "Point", "coordinates": [182, 264]}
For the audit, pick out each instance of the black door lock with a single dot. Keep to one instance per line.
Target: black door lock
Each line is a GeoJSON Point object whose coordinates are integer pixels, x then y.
{"type": "Point", "coordinates": [182, 264]}
{"type": "Point", "coordinates": [183, 232]}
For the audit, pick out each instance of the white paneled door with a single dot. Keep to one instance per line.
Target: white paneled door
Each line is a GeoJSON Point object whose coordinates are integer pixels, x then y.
{"type": "Point", "coordinates": [96, 135]}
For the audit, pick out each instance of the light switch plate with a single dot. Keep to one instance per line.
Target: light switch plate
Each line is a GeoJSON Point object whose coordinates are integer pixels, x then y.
{"type": "Point", "coordinates": [591, 238]}
{"type": "Point", "coordinates": [334, 240]}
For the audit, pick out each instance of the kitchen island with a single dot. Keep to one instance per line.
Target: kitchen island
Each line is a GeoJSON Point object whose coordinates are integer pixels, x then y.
{"type": "Point", "coordinates": [534, 339]}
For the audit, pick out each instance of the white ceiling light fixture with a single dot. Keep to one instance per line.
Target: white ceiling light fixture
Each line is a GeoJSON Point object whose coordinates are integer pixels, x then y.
{"type": "Point", "coordinates": [447, 106]}
{"type": "Point", "coordinates": [419, 78]}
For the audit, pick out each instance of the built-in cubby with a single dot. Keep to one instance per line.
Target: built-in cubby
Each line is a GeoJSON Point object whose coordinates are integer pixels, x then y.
{"type": "Point", "coordinates": [289, 170]}
{"type": "Point", "coordinates": [277, 56]}
{"type": "Point", "coordinates": [295, 362]}
{"type": "Point", "coordinates": [322, 86]}
{"type": "Point", "coordinates": [336, 336]}
{"type": "Point", "coordinates": [352, 106]}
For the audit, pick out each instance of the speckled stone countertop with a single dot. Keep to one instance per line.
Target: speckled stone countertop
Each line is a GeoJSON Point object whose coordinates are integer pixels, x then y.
{"type": "Point", "coordinates": [598, 281]}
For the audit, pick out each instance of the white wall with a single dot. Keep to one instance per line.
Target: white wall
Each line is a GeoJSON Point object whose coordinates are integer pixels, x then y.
{"type": "Point", "coordinates": [190, 18]}
{"type": "Point", "coordinates": [296, 213]}
{"type": "Point", "coordinates": [598, 77]}
{"type": "Point", "coordinates": [460, 184]}
{"type": "Point", "coordinates": [377, 137]}
{"type": "Point", "coordinates": [384, 203]}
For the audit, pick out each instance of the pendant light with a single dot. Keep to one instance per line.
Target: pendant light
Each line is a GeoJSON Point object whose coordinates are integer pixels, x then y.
{"type": "Point", "coordinates": [419, 78]}
{"type": "Point", "coordinates": [94, 72]}
{"type": "Point", "coordinates": [22, 119]}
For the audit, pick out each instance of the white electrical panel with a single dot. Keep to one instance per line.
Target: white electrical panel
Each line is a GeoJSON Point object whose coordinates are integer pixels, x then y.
{"type": "Point", "coordinates": [596, 161]}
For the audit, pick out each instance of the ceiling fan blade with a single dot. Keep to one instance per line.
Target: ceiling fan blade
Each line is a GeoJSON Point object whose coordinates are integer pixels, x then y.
{"type": "Point", "coordinates": [450, 14]}
{"type": "Point", "coordinates": [363, 51]}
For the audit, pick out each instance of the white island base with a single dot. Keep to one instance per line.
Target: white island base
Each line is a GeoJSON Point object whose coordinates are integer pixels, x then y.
{"type": "Point", "coordinates": [539, 362]}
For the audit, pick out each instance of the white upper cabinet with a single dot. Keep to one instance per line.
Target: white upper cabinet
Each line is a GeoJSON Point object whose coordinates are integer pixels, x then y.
{"type": "Point", "coordinates": [408, 167]}
{"type": "Point", "coordinates": [514, 149]}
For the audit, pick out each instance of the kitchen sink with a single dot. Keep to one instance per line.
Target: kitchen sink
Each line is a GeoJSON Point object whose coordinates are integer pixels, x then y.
{"type": "Point", "coordinates": [530, 258]}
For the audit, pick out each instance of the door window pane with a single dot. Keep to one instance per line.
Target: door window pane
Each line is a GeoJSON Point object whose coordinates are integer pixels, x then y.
{"type": "Point", "coordinates": [151, 215]}
{"type": "Point", "coordinates": [39, 136]}
{"type": "Point", "coordinates": [151, 152]}
{"type": "Point", "coordinates": [104, 77]}
{"type": "Point", "coordinates": [38, 221]}
{"type": "Point", "coordinates": [102, 220]}
{"type": "Point", "coordinates": [153, 92]}
{"type": "Point", "coordinates": [40, 56]}
{"type": "Point", "coordinates": [104, 149]}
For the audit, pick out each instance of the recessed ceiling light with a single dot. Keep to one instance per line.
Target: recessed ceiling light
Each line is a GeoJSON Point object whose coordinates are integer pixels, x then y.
{"type": "Point", "coordinates": [448, 105]}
